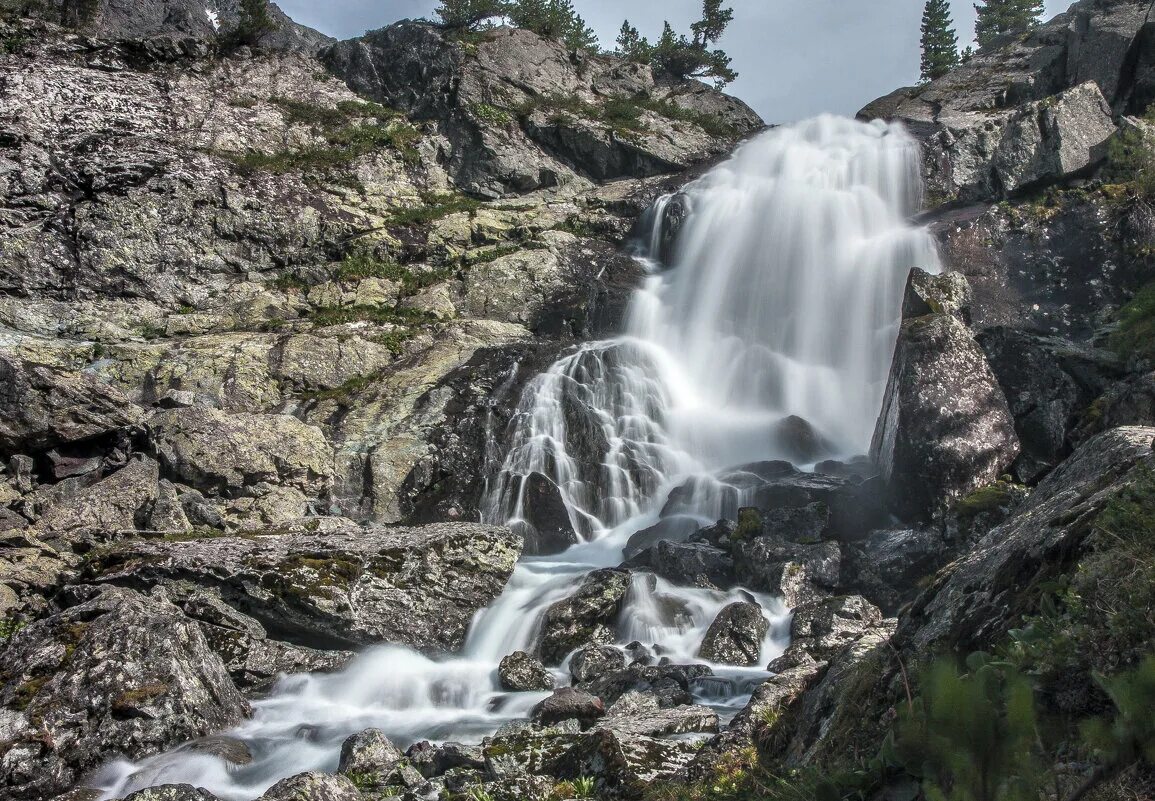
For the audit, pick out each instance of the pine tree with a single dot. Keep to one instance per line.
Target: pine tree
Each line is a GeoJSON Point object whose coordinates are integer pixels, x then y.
{"type": "Point", "coordinates": [683, 57]}
{"type": "Point", "coordinates": [998, 17]}
{"type": "Point", "coordinates": [632, 46]}
{"type": "Point", "coordinates": [255, 21]}
{"type": "Point", "coordinates": [462, 14]}
{"type": "Point", "coordinates": [554, 19]}
{"type": "Point", "coordinates": [939, 41]}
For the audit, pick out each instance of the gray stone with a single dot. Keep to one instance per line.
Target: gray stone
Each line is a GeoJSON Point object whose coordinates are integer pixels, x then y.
{"type": "Point", "coordinates": [585, 617]}
{"type": "Point", "coordinates": [314, 787]}
{"type": "Point", "coordinates": [121, 674]}
{"type": "Point", "coordinates": [735, 637]}
{"type": "Point", "coordinates": [568, 704]}
{"type": "Point", "coordinates": [594, 660]}
{"type": "Point", "coordinates": [367, 753]}
{"type": "Point", "coordinates": [520, 672]}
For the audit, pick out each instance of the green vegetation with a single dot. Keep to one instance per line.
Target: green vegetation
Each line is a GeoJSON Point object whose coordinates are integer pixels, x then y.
{"type": "Point", "coordinates": [999, 17]}
{"type": "Point", "coordinates": [1135, 335]}
{"type": "Point", "coordinates": [939, 42]}
{"type": "Point", "coordinates": [583, 787]}
{"type": "Point", "coordinates": [255, 23]}
{"type": "Point", "coordinates": [684, 56]}
{"type": "Point", "coordinates": [392, 315]}
{"type": "Point", "coordinates": [288, 282]}
{"type": "Point", "coordinates": [553, 19]}
{"type": "Point", "coordinates": [354, 386]}
{"type": "Point", "coordinates": [492, 114]}
{"type": "Point", "coordinates": [347, 137]}
{"type": "Point", "coordinates": [9, 626]}
{"type": "Point", "coordinates": [1131, 158]}
{"type": "Point", "coordinates": [434, 207]}
{"type": "Point", "coordinates": [360, 264]}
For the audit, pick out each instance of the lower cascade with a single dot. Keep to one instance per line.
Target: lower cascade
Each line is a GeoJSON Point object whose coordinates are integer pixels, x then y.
{"type": "Point", "coordinates": [762, 334]}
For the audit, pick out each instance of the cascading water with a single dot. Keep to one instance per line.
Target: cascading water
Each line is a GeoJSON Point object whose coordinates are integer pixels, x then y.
{"type": "Point", "coordinates": [769, 337]}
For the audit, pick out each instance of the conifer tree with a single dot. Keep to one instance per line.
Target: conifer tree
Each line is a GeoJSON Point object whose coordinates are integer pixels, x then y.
{"type": "Point", "coordinates": [939, 41]}
{"type": "Point", "coordinates": [461, 14]}
{"type": "Point", "coordinates": [998, 17]}
{"type": "Point", "coordinates": [632, 45]}
{"type": "Point", "coordinates": [686, 57]}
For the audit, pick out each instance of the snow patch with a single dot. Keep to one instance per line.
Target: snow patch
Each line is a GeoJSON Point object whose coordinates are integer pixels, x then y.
{"type": "Point", "coordinates": [214, 18]}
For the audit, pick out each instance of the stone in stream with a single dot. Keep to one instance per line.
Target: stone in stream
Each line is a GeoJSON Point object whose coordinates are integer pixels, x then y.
{"type": "Point", "coordinates": [568, 703]}
{"type": "Point", "coordinates": [368, 752]}
{"type": "Point", "coordinates": [547, 528]}
{"type": "Point", "coordinates": [436, 760]}
{"type": "Point", "coordinates": [678, 528]}
{"type": "Point", "coordinates": [520, 672]}
{"type": "Point", "coordinates": [640, 714]}
{"type": "Point", "coordinates": [119, 674]}
{"type": "Point", "coordinates": [585, 617]}
{"type": "Point", "coordinates": [163, 792]}
{"type": "Point", "coordinates": [595, 660]}
{"type": "Point", "coordinates": [314, 787]}
{"type": "Point", "coordinates": [670, 684]}
{"type": "Point", "coordinates": [735, 637]}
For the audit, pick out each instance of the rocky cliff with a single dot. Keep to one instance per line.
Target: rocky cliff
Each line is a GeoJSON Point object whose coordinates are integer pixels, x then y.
{"type": "Point", "coordinates": [265, 312]}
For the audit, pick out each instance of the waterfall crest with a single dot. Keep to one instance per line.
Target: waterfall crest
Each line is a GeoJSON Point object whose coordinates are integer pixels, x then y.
{"type": "Point", "coordinates": [766, 334]}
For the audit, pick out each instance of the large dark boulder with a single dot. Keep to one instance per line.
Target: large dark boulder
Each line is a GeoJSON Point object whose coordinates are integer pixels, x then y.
{"type": "Point", "coordinates": [340, 585]}
{"type": "Point", "coordinates": [693, 564]}
{"type": "Point", "coordinates": [735, 637]}
{"type": "Point", "coordinates": [547, 528]}
{"type": "Point", "coordinates": [670, 684]}
{"type": "Point", "coordinates": [595, 660]}
{"type": "Point", "coordinates": [587, 616]}
{"type": "Point", "coordinates": [945, 428]}
{"type": "Point", "coordinates": [121, 674]}
{"type": "Point", "coordinates": [568, 704]}
{"type": "Point", "coordinates": [1048, 382]}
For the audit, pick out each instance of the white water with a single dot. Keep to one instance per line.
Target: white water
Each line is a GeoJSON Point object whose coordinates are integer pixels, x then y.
{"type": "Point", "coordinates": [783, 301]}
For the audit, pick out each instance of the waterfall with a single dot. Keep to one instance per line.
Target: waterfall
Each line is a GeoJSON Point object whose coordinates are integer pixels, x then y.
{"type": "Point", "coordinates": [764, 330]}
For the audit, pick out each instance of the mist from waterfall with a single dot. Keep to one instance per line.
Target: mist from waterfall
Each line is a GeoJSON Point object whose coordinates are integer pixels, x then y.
{"type": "Point", "coordinates": [767, 335]}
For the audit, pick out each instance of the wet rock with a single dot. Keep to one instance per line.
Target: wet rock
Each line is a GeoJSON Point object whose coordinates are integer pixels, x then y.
{"type": "Point", "coordinates": [121, 674]}
{"type": "Point", "coordinates": [595, 660]}
{"type": "Point", "coordinates": [670, 684]}
{"type": "Point", "coordinates": [226, 453]}
{"type": "Point", "coordinates": [690, 564]}
{"type": "Point", "coordinates": [42, 408]}
{"type": "Point", "coordinates": [945, 429]}
{"type": "Point", "coordinates": [678, 528]}
{"type": "Point", "coordinates": [899, 559]}
{"type": "Point", "coordinates": [333, 584]}
{"type": "Point", "coordinates": [520, 672]}
{"type": "Point", "coordinates": [735, 637]}
{"type": "Point", "coordinates": [799, 441]}
{"type": "Point", "coordinates": [781, 552]}
{"type": "Point", "coordinates": [548, 529]}
{"type": "Point", "coordinates": [585, 617]}
{"type": "Point", "coordinates": [313, 786]}
{"type": "Point", "coordinates": [167, 792]}
{"type": "Point", "coordinates": [568, 704]}
{"type": "Point", "coordinates": [229, 749]}
{"type": "Point", "coordinates": [821, 629]}
{"type": "Point", "coordinates": [367, 753]}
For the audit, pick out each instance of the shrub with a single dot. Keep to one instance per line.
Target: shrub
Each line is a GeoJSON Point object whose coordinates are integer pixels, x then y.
{"type": "Point", "coordinates": [1135, 335]}
{"type": "Point", "coordinates": [1131, 159]}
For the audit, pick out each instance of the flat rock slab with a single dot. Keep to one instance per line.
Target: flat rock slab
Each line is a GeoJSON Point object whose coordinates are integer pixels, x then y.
{"type": "Point", "coordinates": [339, 586]}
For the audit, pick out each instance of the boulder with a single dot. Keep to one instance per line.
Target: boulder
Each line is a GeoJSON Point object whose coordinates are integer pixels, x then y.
{"type": "Point", "coordinates": [367, 753]}
{"type": "Point", "coordinates": [595, 660]}
{"type": "Point", "coordinates": [226, 454]}
{"type": "Point", "coordinates": [122, 502]}
{"type": "Point", "coordinates": [520, 672]}
{"type": "Point", "coordinates": [692, 564]}
{"type": "Point", "coordinates": [945, 428]}
{"type": "Point", "coordinates": [670, 684]}
{"type": "Point", "coordinates": [978, 597]}
{"type": "Point", "coordinates": [337, 585]}
{"type": "Point", "coordinates": [639, 715]}
{"type": "Point", "coordinates": [1047, 381]}
{"type": "Point", "coordinates": [314, 787]}
{"type": "Point", "coordinates": [622, 765]}
{"type": "Point", "coordinates": [678, 528]}
{"type": "Point", "coordinates": [568, 703]}
{"type": "Point", "coordinates": [42, 408]}
{"type": "Point", "coordinates": [945, 293]}
{"type": "Point", "coordinates": [167, 792]}
{"type": "Point", "coordinates": [436, 760]}
{"type": "Point", "coordinates": [786, 569]}
{"type": "Point", "coordinates": [587, 616]}
{"type": "Point", "coordinates": [1127, 403]}
{"type": "Point", "coordinates": [121, 674]}
{"type": "Point", "coordinates": [735, 637]}
{"type": "Point", "coordinates": [819, 630]}
{"type": "Point", "coordinates": [547, 528]}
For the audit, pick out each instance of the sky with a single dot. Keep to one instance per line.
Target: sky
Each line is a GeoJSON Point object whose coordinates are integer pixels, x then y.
{"type": "Point", "coordinates": [795, 58]}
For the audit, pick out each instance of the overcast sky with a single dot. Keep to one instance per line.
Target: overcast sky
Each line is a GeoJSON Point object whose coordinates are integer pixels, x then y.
{"type": "Point", "coordinates": [796, 58]}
